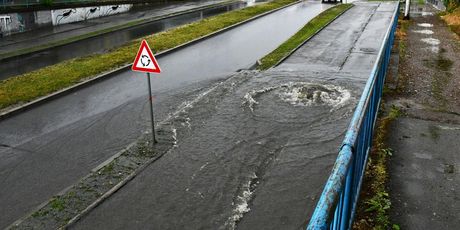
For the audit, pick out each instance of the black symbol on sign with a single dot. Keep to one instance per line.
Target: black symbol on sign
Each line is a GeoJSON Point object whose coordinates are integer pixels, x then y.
{"type": "Point", "coordinates": [145, 60]}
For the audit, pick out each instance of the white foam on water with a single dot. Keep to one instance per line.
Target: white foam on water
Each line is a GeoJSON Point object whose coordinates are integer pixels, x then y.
{"type": "Point", "coordinates": [186, 123]}
{"type": "Point", "coordinates": [174, 136]}
{"type": "Point", "coordinates": [203, 166]}
{"type": "Point", "coordinates": [303, 94]}
{"type": "Point", "coordinates": [426, 25]}
{"type": "Point", "coordinates": [241, 204]}
{"type": "Point", "coordinates": [249, 100]}
{"type": "Point", "coordinates": [424, 32]}
{"type": "Point", "coordinates": [427, 13]}
{"type": "Point", "coordinates": [328, 94]}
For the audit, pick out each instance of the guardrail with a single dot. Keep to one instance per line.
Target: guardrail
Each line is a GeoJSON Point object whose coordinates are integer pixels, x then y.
{"type": "Point", "coordinates": [337, 204]}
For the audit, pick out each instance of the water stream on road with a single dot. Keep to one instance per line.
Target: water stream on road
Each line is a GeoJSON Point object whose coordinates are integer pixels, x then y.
{"type": "Point", "coordinates": [252, 148]}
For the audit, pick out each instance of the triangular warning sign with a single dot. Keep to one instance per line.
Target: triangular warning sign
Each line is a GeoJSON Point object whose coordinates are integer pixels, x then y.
{"type": "Point", "coordinates": [145, 61]}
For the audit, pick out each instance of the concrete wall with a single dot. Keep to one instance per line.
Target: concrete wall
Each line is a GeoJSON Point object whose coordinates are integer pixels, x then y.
{"type": "Point", "coordinates": [64, 16]}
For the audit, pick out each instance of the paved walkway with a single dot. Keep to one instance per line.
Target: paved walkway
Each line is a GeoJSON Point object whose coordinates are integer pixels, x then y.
{"type": "Point", "coordinates": [255, 153]}
{"type": "Point", "coordinates": [425, 166]}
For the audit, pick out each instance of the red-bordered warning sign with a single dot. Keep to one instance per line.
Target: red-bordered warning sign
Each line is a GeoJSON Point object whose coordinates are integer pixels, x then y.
{"type": "Point", "coordinates": [145, 61]}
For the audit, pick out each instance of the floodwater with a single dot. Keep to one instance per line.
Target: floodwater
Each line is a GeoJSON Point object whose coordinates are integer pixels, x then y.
{"type": "Point", "coordinates": [255, 151]}
{"type": "Point", "coordinates": [102, 43]}
{"type": "Point", "coordinates": [252, 153]}
{"type": "Point", "coordinates": [55, 144]}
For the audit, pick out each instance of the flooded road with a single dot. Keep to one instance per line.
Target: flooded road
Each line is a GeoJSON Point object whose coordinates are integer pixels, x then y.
{"type": "Point", "coordinates": [252, 153]}
{"type": "Point", "coordinates": [103, 43]}
{"type": "Point", "coordinates": [255, 150]}
{"type": "Point", "coordinates": [55, 144]}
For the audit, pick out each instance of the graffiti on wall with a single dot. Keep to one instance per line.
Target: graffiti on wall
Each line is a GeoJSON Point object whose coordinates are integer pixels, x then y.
{"type": "Point", "coordinates": [64, 16]}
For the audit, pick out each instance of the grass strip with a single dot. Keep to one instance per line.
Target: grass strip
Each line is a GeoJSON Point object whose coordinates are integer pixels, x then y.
{"type": "Point", "coordinates": [373, 211]}
{"type": "Point", "coordinates": [26, 87]}
{"type": "Point", "coordinates": [453, 20]}
{"type": "Point", "coordinates": [302, 35]}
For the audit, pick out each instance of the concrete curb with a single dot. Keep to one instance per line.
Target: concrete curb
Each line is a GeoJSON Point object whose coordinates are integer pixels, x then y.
{"type": "Point", "coordinates": [86, 83]}
{"type": "Point", "coordinates": [124, 26]}
{"type": "Point", "coordinates": [65, 190]}
{"type": "Point", "coordinates": [113, 190]}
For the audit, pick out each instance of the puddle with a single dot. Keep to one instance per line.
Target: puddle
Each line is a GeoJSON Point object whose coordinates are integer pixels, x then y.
{"type": "Point", "coordinates": [433, 42]}
{"type": "Point", "coordinates": [426, 25]}
{"type": "Point", "coordinates": [424, 31]}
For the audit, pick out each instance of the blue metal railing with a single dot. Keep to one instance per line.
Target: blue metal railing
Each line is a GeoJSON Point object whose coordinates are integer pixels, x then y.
{"type": "Point", "coordinates": [337, 204]}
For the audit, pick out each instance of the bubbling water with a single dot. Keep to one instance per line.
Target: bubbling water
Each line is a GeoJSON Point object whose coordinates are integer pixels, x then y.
{"type": "Point", "coordinates": [305, 94]}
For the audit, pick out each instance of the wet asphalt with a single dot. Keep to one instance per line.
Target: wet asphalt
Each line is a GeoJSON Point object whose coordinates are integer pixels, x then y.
{"type": "Point", "coordinates": [256, 149]}
{"type": "Point", "coordinates": [52, 146]}
{"type": "Point", "coordinates": [102, 43]}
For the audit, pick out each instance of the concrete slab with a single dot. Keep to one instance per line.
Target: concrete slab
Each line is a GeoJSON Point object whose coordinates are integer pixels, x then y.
{"type": "Point", "coordinates": [425, 174]}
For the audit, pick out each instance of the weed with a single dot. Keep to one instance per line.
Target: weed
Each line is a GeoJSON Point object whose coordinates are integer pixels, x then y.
{"type": "Point", "coordinates": [57, 203]}
{"type": "Point", "coordinates": [380, 204]}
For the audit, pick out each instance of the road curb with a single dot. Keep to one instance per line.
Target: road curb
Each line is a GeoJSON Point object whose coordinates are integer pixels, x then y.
{"type": "Point", "coordinates": [13, 111]}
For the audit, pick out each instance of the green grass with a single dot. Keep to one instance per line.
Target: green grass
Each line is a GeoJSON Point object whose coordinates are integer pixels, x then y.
{"type": "Point", "coordinates": [373, 211]}
{"type": "Point", "coordinates": [35, 84]}
{"type": "Point", "coordinates": [303, 34]}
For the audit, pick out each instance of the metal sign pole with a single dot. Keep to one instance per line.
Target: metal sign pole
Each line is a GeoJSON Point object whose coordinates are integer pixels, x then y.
{"type": "Point", "coordinates": [407, 10]}
{"type": "Point", "coordinates": [151, 109]}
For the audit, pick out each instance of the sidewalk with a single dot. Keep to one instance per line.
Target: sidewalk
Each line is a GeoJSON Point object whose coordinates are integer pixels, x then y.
{"type": "Point", "coordinates": [424, 169]}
